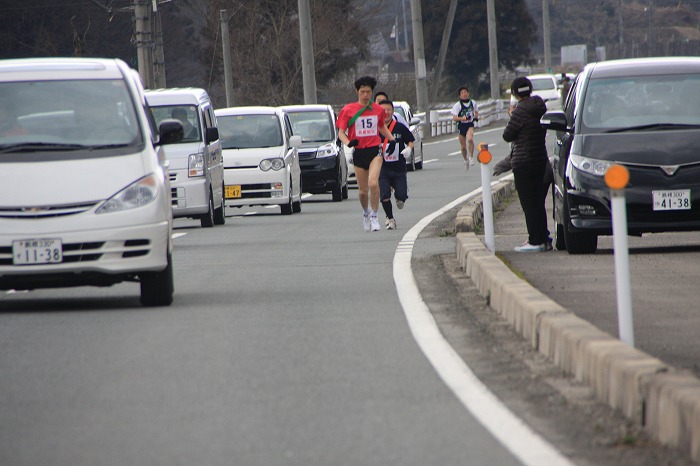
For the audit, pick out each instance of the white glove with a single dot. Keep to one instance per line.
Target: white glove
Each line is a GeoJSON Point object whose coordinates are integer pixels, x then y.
{"type": "Point", "coordinates": [406, 152]}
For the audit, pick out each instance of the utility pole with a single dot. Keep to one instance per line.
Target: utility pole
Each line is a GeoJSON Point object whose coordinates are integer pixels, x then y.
{"type": "Point", "coordinates": [650, 39]}
{"type": "Point", "coordinates": [159, 57]}
{"type": "Point", "coordinates": [493, 49]}
{"type": "Point", "coordinates": [419, 61]}
{"type": "Point", "coordinates": [405, 29]}
{"type": "Point", "coordinates": [142, 25]}
{"type": "Point", "coordinates": [226, 49]}
{"type": "Point", "coordinates": [307, 52]}
{"type": "Point", "coordinates": [545, 34]}
{"type": "Point", "coordinates": [619, 22]}
{"type": "Point", "coordinates": [443, 49]}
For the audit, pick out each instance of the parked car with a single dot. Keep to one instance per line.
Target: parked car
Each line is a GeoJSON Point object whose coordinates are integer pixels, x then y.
{"type": "Point", "coordinates": [84, 193]}
{"type": "Point", "coordinates": [547, 87]}
{"type": "Point", "coordinates": [321, 155]}
{"type": "Point", "coordinates": [642, 114]}
{"type": "Point", "coordinates": [261, 160]}
{"type": "Point", "coordinates": [415, 162]}
{"type": "Point", "coordinates": [196, 162]}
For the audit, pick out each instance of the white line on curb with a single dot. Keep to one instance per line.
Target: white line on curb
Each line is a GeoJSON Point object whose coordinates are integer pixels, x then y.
{"type": "Point", "coordinates": [518, 438]}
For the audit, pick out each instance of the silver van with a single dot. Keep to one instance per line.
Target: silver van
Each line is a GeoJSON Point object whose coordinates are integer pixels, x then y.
{"type": "Point", "coordinates": [196, 162]}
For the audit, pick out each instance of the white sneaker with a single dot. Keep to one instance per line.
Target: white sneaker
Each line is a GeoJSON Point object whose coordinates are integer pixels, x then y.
{"type": "Point", "coordinates": [386, 222]}
{"type": "Point", "coordinates": [374, 223]}
{"type": "Point", "coordinates": [399, 204]}
{"type": "Point", "coordinates": [365, 222]}
{"type": "Point", "coordinates": [527, 247]}
{"type": "Point", "coordinates": [471, 161]}
{"type": "Point", "coordinates": [391, 224]}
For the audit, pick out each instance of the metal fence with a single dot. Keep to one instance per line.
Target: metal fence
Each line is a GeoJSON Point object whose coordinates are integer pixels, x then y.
{"type": "Point", "coordinates": [441, 120]}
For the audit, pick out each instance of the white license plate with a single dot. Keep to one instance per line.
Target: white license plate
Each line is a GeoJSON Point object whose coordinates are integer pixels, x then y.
{"type": "Point", "coordinates": [37, 251]}
{"type": "Point", "coordinates": [678, 199]}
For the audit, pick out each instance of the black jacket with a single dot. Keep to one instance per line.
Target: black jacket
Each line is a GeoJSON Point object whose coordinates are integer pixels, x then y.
{"type": "Point", "coordinates": [526, 133]}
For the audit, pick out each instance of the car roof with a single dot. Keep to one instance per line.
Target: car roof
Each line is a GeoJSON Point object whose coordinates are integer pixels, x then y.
{"type": "Point", "coordinates": [175, 96]}
{"type": "Point", "coordinates": [250, 110]}
{"type": "Point", "coordinates": [541, 76]}
{"type": "Point", "coordinates": [55, 69]}
{"type": "Point", "coordinates": [644, 67]}
{"type": "Point", "coordinates": [307, 108]}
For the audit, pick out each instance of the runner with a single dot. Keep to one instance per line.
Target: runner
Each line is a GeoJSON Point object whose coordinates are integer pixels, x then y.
{"type": "Point", "coordinates": [364, 122]}
{"type": "Point", "coordinates": [464, 114]}
{"type": "Point", "coordinates": [393, 172]}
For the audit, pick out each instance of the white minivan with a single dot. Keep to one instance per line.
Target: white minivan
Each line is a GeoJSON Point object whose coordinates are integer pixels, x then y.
{"type": "Point", "coordinates": [196, 163]}
{"type": "Point", "coordinates": [261, 158]}
{"type": "Point", "coordinates": [84, 193]}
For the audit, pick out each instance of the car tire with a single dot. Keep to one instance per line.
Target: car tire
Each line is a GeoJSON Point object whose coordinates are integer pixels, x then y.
{"type": "Point", "coordinates": [559, 238]}
{"type": "Point", "coordinates": [338, 190]}
{"type": "Point", "coordinates": [207, 219]}
{"type": "Point", "coordinates": [288, 208]}
{"type": "Point", "coordinates": [345, 190]}
{"type": "Point", "coordinates": [577, 243]}
{"type": "Point", "coordinates": [220, 213]}
{"type": "Point", "coordinates": [419, 165]}
{"type": "Point", "coordinates": [157, 288]}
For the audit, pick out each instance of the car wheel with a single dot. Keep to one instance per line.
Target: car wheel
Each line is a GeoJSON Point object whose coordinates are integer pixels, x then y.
{"type": "Point", "coordinates": [577, 243]}
{"type": "Point", "coordinates": [157, 288]}
{"type": "Point", "coordinates": [559, 239]}
{"type": "Point", "coordinates": [288, 208]}
{"type": "Point", "coordinates": [207, 219]}
{"type": "Point", "coordinates": [338, 190]}
{"type": "Point", "coordinates": [419, 165]}
{"type": "Point", "coordinates": [345, 191]}
{"type": "Point", "coordinates": [220, 213]}
{"type": "Point", "coordinates": [411, 164]}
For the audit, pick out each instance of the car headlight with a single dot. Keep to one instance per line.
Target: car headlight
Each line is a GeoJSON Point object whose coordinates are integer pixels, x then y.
{"type": "Point", "coordinates": [138, 194]}
{"type": "Point", "coordinates": [589, 165]}
{"type": "Point", "coordinates": [327, 150]}
{"type": "Point", "coordinates": [195, 165]}
{"type": "Point", "coordinates": [272, 164]}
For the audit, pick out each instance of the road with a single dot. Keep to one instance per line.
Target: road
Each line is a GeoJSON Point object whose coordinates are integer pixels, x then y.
{"type": "Point", "coordinates": [287, 344]}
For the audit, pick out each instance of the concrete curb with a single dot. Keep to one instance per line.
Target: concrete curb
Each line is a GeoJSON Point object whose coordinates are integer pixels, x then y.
{"type": "Point", "coordinates": [666, 402]}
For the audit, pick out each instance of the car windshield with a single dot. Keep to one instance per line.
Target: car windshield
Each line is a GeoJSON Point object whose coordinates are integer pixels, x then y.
{"type": "Point", "coordinates": [54, 116]}
{"type": "Point", "coordinates": [542, 84]}
{"type": "Point", "coordinates": [186, 114]}
{"type": "Point", "coordinates": [312, 126]}
{"type": "Point", "coordinates": [400, 111]}
{"type": "Point", "coordinates": [249, 131]}
{"type": "Point", "coordinates": [641, 103]}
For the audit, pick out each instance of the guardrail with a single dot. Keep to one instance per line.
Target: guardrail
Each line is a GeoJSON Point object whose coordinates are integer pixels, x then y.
{"type": "Point", "coordinates": [441, 120]}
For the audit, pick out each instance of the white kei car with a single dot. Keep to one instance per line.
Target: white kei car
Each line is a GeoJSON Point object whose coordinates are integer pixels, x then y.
{"type": "Point", "coordinates": [261, 159]}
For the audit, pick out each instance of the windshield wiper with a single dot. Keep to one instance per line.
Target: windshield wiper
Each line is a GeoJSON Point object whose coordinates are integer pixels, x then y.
{"type": "Point", "coordinates": [653, 126]}
{"type": "Point", "coordinates": [38, 147]}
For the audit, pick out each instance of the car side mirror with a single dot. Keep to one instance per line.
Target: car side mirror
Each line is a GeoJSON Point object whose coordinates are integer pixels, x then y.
{"type": "Point", "coordinates": [170, 131]}
{"type": "Point", "coordinates": [555, 120]}
{"type": "Point", "coordinates": [415, 121]}
{"type": "Point", "coordinates": [212, 135]}
{"type": "Point", "coordinates": [295, 141]}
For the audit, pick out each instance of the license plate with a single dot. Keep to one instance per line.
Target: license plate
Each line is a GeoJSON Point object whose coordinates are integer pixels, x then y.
{"type": "Point", "coordinates": [37, 251]}
{"type": "Point", "coordinates": [233, 191]}
{"type": "Point", "coordinates": [678, 199]}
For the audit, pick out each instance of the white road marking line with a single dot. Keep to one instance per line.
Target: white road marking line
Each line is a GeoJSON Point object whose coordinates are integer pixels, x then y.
{"type": "Point", "coordinates": [517, 437]}
{"type": "Point", "coordinates": [177, 235]}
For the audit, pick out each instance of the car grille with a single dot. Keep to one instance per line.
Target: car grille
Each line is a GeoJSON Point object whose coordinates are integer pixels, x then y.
{"type": "Point", "coordinates": [38, 212]}
{"type": "Point", "coordinates": [256, 191]}
{"type": "Point", "coordinates": [307, 155]}
{"type": "Point", "coordinates": [90, 252]}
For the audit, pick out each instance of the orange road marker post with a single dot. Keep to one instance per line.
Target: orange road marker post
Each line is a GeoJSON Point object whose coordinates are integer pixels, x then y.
{"type": "Point", "coordinates": [484, 159]}
{"type": "Point", "coordinates": [616, 178]}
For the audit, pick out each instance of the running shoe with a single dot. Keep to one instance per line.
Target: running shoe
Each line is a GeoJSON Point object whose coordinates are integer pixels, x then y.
{"type": "Point", "coordinates": [391, 225]}
{"type": "Point", "coordinates": [386, 222]}
{"type": "Point", "coordinates": [399, 204]}
{"type": "Point", "coordinates": [548, 246]}
{"type": "Point", "coordinates": [374, 223]}
{"type": "Point", "coordinates": [527, 247]}
{"type": "Point", "coordinates": [471, 161]}
{"type": "Point", "coordinates": [365, 222]}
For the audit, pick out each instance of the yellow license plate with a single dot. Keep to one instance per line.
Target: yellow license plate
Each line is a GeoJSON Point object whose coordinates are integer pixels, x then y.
{"type": "Point", "coordinates": [232, 192]}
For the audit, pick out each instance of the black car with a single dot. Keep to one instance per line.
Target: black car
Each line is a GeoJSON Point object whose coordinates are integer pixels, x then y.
{"type": "Point", "coordinates": [640, 113]}
{"type": "Point", "coordinates": [323, 164]}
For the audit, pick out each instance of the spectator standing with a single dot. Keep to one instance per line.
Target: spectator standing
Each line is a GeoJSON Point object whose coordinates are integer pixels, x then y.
{"type": "Point", "coordinates": [360, 124]}
{"type": "Point", "coordinates": [565, 87]}
{"type": "Point", "coordinates": [529, 161]}
{"type": "Point", "coordinates": [464, 114]}
{"type": "Point", "coordinates": [393, 172]}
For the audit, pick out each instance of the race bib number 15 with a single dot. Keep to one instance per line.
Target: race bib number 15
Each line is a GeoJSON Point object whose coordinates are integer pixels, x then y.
{"type": "Point", "coordinates": [366, 126]}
